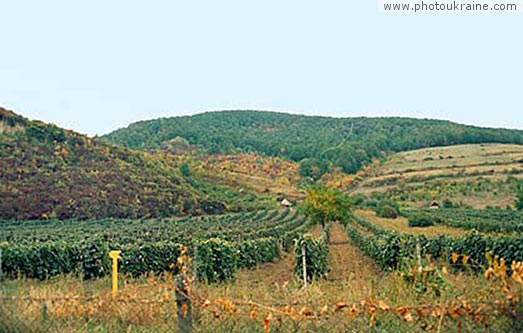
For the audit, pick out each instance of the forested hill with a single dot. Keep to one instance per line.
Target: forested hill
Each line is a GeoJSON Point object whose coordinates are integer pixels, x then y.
{"type": "Point", "coordinates": [49, 172]}
{"type": "Point", "coordinates": [316, 142]}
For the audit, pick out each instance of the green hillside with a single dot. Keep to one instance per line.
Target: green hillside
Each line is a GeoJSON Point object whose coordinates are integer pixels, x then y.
{"type": "Point", "coordinates": [315, 142]}
{"type": "Point", "coordinates": [49, 172]}
{"type": "Point", "coordinates": [478, 176]}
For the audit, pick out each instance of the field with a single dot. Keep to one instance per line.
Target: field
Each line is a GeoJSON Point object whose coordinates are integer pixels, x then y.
{"type": "Point", "coordinates": [401, 225]}
{"type": "Point", "coordinates": [473, 176]}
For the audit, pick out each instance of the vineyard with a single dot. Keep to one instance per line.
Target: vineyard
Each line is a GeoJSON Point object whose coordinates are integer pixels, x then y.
{"type": "Point", "coordinates": [487, 220]}
{"type": "Point", "coordinates": [390, 249]}
{"type": "Point", "coordinates": [422, 300]}
{"type": "Point", "coordinates": [221, 244]}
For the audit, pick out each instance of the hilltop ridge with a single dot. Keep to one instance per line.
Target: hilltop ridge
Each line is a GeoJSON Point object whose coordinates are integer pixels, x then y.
{"type": "Point", "coordinates": [317, 143]}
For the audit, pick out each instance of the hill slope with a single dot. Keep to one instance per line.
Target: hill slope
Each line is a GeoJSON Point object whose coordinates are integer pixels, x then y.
{"type": "Point", "coordinates": [49, 172]}
{"type": "Point", "coordinates": [316, 142]}
{"type": "Point", "coordinates": [476, 175]}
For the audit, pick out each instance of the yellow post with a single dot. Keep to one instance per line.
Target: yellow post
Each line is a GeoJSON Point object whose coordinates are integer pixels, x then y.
{"type": "Point", "coordinates": [115, 255]}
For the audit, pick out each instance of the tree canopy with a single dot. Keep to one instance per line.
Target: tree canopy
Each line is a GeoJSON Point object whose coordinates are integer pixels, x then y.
{"type": "Point", "coordinates": [323, 204]}
{"type": "Point", "coordinates": [315, 142]}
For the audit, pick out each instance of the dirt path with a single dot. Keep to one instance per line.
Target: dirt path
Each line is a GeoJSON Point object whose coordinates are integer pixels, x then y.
{"type": "Point", "coordinates": [279, 272]}
{"type": "Point", "coordinates": [352, 276]}
{"type": "Point", "coordinates": [346, 260]}
{"type": "Point", "coordinates": [269, 282]}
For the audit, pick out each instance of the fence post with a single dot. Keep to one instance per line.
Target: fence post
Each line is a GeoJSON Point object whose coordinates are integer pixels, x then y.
{"type": "Point", "coordinates": [304, 263]}
{"type": "Point", "coordinates": [195, 262]}
{"type": "Point", "coordinates": [418, 253]}
{"type": "Point", "coordinates": [1, 272]}
{"type": "Point", "coordinates": [183, 304]}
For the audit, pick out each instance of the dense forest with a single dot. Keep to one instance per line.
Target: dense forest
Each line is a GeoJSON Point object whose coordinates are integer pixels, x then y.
{"type": "Point", "coordinates": [49, 172]}
{"type": "Point", "coordinates": [316, 142]}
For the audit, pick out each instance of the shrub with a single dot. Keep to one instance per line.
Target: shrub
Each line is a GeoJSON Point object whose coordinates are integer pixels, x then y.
{"type": "Point", "coordinates": [371, 204]}
{"type": "Point", "coordinates": [421, 221]}
{"type": "Point", "coordinates": [448, 204]}
{"type": "Point", "coordinates": [358, 200]}
{"type": "Point", "coordinates": [387, 208]}
{"type": "Point", "coordinates": [387, 212]}
{"type": "Point", "coordinates": [185, 170]}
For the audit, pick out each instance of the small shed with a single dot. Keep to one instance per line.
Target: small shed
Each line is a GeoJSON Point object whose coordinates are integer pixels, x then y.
{"type": "Point", "coordinates": [285, 203]}
{"type": "Point", "coordinates": [434, 205]}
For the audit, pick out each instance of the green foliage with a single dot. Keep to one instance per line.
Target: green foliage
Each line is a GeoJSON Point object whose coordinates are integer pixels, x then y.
{"type": "Point", "coordinates": [422, 220]}
{"type": "Point", "coordinates": [388, 209]}
{"type": "Point", "coordinates": [315, 142]}
{"type": "Point", "coordinates": [390, 250]}
{"type": "Point", "coordinates": [385, 249]}
{"type": "Point", "coordinates": [185, 170]}
{"type": "Point", "coordinates": [254, 252]}
{"type": "Point", "coordinates": [42, 249]}
{"type": "Point", "coordinates": [323, 205]}
{"type": "Point", "coordinates": [145, 257]}
{"type": "Point", "coordinates": [358, 200]}
{"type": "Point", "coordinates": [93, 261]}
{"type": "Point", "coordinates": [519, 201]}
{"type": "Point", "coordinates": [448, 204]}
{"type": "Point", "coordinates": [316, 255]}
{"type": "Point", "coordinates": [216, 261]}
{"type": "Point", "coordinates": [487, 220]}
{"type": "Point", "coordinates": [44, 260]}
{"type": "Point", "coordinates": [312, 168]}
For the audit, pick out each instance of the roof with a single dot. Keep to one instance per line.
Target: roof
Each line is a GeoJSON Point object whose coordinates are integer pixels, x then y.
{"type": "Point", "coordinates": [285, 202]}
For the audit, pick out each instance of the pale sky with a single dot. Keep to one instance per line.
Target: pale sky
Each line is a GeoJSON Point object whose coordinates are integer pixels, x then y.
{"type": "Point", "coordinates": [94, 66]}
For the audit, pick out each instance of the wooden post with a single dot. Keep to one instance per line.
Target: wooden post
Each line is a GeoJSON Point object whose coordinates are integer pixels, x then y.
{"type": "Point", "coordinates": [183, 304]}
{"type": "Point", "coordinates": [194, 263]}
{"type": "Point", "coordinates": [418, 253]}
{"type": "Point", "coordinates": [304, 263]}
{"type": "Point", "coordinates": [1, 272]}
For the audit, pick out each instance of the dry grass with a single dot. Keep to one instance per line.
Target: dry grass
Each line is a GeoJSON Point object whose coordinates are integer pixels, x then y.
{"type": "Point", "coordinates": [436, 173]}
{"type": "Point", "coordinates": [460, 155]}
{"type": "Point", "coordinates": [401, 224]}
{"type": "Point", "coordinates": [254, 173]}
{"type": "Point", "coordinates": [450, 172]}
{"type": "Point", "coordinates": [450, 161]}
{"type": "Point", "coordinates": [353, 278]}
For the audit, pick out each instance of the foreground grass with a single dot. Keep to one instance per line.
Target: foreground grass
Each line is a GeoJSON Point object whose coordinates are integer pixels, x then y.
{"type": "Point", "coordinates": [254, 299]}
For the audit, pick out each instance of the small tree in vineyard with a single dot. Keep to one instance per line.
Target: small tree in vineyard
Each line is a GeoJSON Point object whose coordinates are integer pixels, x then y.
{"type": "Point", "coordinates": [323, 205]}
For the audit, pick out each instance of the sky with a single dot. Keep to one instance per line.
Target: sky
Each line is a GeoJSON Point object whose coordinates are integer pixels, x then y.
{"type": "Point", "coordinates": [94, 66]}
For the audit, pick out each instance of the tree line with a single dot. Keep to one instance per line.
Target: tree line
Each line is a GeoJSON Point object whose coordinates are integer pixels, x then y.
{"type": "Point", "coordinates": [317, 143]}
